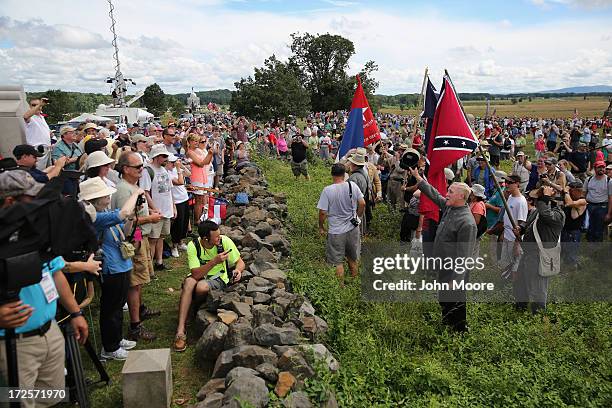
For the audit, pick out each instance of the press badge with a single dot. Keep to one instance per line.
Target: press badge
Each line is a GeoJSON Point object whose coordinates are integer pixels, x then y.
{"type": "Point", "coordinates": [48, 286]}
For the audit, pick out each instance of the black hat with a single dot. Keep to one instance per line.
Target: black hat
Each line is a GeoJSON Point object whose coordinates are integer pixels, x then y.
{"type": "Point", "coordinates": [94, 145]}
{"type": "Point", "coordinates": [22, 150]}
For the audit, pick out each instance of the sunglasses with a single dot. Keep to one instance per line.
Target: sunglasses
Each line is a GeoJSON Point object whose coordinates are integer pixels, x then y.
{"type": "Point", "coordinates": [138, 167]}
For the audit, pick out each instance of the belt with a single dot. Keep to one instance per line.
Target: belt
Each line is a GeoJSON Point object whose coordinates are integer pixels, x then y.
{"type": "Point", "coordinates": [604, 204]}
{"type": "Point", "coordinates": [41, 331]}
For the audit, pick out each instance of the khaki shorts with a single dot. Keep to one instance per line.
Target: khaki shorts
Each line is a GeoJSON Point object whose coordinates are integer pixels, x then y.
{"type": "Point", "coordinates": [41, 364]}
{"type": "Point", "coordinates": [299, 168]}
{"type": "Point", "coordinates": [160, 229]}
{"type": "Point", "coordinates": [344, 245]}
{"type": "Point", "coordinates": [143, 265]}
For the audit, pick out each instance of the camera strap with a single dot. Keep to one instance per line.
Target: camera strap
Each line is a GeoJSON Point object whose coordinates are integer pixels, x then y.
{"type": "Point", "coordinates": [351, 198]}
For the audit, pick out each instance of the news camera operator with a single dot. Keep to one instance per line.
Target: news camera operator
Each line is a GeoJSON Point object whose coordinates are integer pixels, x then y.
{"type": "Point", "coordinates": [39, 341]}
{"type": "Point", "coordinates": [111, 227]}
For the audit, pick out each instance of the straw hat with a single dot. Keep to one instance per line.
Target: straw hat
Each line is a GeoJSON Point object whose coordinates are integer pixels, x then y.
{"type": "Point", "coordinates": [66, 129]}
{"type": "Point", "coordinates": [94, 188]}
{"type": "Point", "coordinates": [97, 159]}
{"type": "Point", "coordinates": [479, 191]}
{"type": "Point", "coordinates": [90, 126]}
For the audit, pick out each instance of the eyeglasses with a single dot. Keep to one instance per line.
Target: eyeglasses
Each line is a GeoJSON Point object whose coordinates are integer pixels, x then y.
{"type": "Point", "coordinates": [138, 167]}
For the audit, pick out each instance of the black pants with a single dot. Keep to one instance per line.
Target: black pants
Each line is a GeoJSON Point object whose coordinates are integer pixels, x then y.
{"type": "Point", "coordinates": [178, 229]}
{"type": "Point", "coordinates": [494, 160]}
{"type": "Point", "coordinates": [114, 296]}
{"type": "Point", "coordinates": [453, 303]}
{"type": "Point", "coordinates": [409, 224]}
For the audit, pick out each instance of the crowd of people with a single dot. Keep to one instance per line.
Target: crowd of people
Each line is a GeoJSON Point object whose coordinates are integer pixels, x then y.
{"type": "Point", "coordinates": [147, 187]}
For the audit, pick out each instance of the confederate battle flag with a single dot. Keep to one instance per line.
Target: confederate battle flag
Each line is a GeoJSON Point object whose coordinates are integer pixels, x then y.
{"type": "Point", "coordinates": [361, 128]}
{"type": "Point", "coordinates": [451, 139]}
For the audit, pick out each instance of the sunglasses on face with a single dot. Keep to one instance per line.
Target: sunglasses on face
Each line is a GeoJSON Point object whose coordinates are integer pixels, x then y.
{"type": "Point", "coordinates": [137, 167]}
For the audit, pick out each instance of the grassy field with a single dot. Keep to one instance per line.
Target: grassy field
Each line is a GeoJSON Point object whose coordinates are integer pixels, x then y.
{"type": "Point", "coordinates": [538, 107]}
{"type": "Point", "coordinates": [395, 354]}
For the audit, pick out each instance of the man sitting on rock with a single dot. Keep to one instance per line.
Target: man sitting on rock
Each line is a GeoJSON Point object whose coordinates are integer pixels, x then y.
{"type": "Point", "coordinates": [213, 260]}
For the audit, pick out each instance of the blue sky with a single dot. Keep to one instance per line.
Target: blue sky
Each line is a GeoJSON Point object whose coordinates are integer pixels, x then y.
{"type": "Point", "coordinates": [488, 46]}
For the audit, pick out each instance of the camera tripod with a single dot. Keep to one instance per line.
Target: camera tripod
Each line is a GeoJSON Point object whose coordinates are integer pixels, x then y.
{"type": "Point", "coordinates": [75, 380]}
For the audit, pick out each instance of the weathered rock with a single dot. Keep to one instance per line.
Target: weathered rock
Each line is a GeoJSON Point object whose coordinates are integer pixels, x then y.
{"type": "Point", "coordinates": [227, 316]}
{"type": "Point", "coordinates": [247, 390]}
{"type": "Point", "coordinates": [258, 267]}
{"type": "Point", "coordinates": [213, 299]}
{"type": "Point", "coordinates": [232, 221]}
{"type": "Point", "coordinates": [211, 343]}
{"type": "Point", "coordinates": [212, 386]}
{"type": "Point", "coordinates": [319, 352]}
{"type": "Point", "coordinates": [238, 372]}
{"type": "Point", "coordinates": [254, 241]}
{"type": "Point", "coordinates": [260, 297]}
{"type": "Point", "coordinates": [293, 361]}
{"type": "Point", "coordinates": [262, 315]}
{"type": "Point", "coordinates": [270, 335]}
{"type": "Point", "coordinates": [240, 288]}
{"type": "Point", "coordinates": [265, 255]}
{"type": "Point", "coordinates": [239, 334]}
{"type": "Point", "coordinates": [259, 284]}
{"type": "Point", "coordinates": [278, 310]}
{"type": "Point", "coordinates": [297, 400]}
{"type": "Point", "coordinates": [268, 372]}
{"type": "Point", "coordinates": [214, 400]}
{"type": "Point", "coordinates": [306, 309]}
{"type": "Point", "coordinates": [263, 229]}
{"type": "Point", "coordinates": [331, 401]}
{"type": "Point", "coordinates": [226, 300]}
{"type": "Point", "coordinates": [242, 309]}
{"type": "Point", "coordinates": [203, 319]}
{"type": "Point", "coordinates": [285, 382]}
{"type": "Point", "coordinates": [252, 356]}
{"type": "Point", "coordinates": [253, 217]}
{"type": "Point", "coordinates": [314, 325]}
{"type": "Point", "coordinates": [248, 300]}
{"type": "Point", "coordinates": [224, 363]}
{"type": "Point", "coordinates": [274, 275]}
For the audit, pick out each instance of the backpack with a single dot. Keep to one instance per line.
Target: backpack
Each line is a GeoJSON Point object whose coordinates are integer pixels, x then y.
{"type": "Point", "coordinates": [507, 144]}
{"type": "Point", "coordinates": [151, 172]}
{"type": "Point", "coordinates": [242, 198]}
{"type": "Point", "coordinates": [198, 247]}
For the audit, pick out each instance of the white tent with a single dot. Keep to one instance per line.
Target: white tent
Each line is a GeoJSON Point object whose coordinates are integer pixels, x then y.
{"type": "Point", "coordinates": [89, 117]}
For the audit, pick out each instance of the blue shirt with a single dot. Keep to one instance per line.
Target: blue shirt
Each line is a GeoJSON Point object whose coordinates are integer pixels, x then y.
{"type": "Point", "coordinates": [113, 261]}
{"type": "Point", "coordinates": [34, 296]}
{"type": "Point", "coordinates": [69, 150]}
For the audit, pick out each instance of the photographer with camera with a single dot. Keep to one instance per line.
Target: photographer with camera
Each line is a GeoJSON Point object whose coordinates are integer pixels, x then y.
{"type": "Point", "coordinates": [342, 204]}
{"type": "Point", "coordinates": [299, 163]}
{"type": "Point", "coordinates": [37, 130]}
{"type": "Point", "coordinates": [110, 227]}
{"type": "Point", "coordinates": [214, 262]}
{"type": "Point", "coordinates": [39, 341]}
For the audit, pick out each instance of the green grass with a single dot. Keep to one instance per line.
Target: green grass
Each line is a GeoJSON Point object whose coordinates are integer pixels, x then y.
{"type": "Point", "coordinates": [395, 354]}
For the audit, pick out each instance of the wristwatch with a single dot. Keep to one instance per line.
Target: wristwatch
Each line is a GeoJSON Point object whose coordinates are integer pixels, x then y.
{"type": "Point", "coordinates": [76, 314]}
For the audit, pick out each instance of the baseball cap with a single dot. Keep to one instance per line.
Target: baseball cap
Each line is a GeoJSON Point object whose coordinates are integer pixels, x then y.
{"type": "Point", "coordinates": [600, 164]}
{"type": "Point", "coordinates": [513, 178]}
{"type": "Point", "coordinates": [18, 182]}
{"type": "Point", "coordinates": [25, 149]}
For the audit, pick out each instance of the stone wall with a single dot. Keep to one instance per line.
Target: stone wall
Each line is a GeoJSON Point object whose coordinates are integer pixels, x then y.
{"type": "Point", "coordinates": [259, 335]}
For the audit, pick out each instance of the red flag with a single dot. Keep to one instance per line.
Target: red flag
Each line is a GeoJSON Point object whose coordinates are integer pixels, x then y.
{"type": "Point", "coordinates": [452, 138]}
{"type": "Point", "coordinates": [371, 134]}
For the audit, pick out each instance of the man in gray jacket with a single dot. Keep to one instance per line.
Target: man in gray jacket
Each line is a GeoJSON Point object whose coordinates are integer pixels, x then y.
{"type": "Point", "coordinates": [529, 285]}
{"type": "Point", "coordinates": [455, 239]}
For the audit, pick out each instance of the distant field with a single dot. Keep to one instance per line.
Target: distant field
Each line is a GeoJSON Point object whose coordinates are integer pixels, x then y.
{"type": "Point", "coordinates": [540, 107]}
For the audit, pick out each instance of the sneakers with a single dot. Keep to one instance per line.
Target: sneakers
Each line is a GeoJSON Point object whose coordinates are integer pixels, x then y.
{"type": "Point", "coordinates": [126, 344]}
{"type": "Point", "coordinates": [174, 252]}
{"type": "Point", "coordinates": [119, 354]}
{"type": "Point", "coordinates": [140, 333]}
{"type": "Point", "coordinates": [180, 343]}
{"type": "Point", "coordinates": [146, 313]}
{"type": "Point", "coordinates": [182, 247]}
{"type": "Point", "coordinates": [125, 307]}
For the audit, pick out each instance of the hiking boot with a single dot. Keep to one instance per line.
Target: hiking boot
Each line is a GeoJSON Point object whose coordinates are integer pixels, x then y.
{"type": "Point", "coordinates": [180, 343]}
{"type": "Point", "coordinates": [140, 333]}
{"type": "Point", "coordinates": [159, 267]}
{"type": "Point", "coordinates": [146, 313]}
{"type": "Point", "coordinates": [119, 354]}
{"type": "Point", "coordinates": [126, 344]}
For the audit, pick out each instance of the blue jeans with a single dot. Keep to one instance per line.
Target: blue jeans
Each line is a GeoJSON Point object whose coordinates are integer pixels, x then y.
{"type": "Point", "coordinates": [570, 241]}
{"type": "Point", "coordinates": [597, 213]}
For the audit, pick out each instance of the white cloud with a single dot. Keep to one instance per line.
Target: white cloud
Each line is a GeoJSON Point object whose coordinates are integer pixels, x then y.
{"type": "Point", "coordinates": [590, 4]}
{"type": "Point", "coordinates": [192, 43]}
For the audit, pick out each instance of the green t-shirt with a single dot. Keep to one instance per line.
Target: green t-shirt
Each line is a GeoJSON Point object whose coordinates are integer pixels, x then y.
{"type": "Point", "coordinates": [208, 254]}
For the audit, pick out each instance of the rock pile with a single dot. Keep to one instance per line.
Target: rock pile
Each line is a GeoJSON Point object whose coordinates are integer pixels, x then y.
{"type": "Point", "coordinates": [260, 335]}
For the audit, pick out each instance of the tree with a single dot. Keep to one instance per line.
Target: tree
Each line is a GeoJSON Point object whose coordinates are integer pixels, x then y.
{"type": "Point", "coordinates": [273, 91]}
{"type": "Point", "coordinates": [61, 104]}
{"type": "Point", "coordinates": [322, 62]}
{"type": "Point", "coordinates": [175, 105]}
{"type": "Point", "coordinates": [154, 100]}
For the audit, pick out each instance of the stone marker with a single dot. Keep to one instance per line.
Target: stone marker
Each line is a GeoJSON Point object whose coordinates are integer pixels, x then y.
{"type": "Point", "coordinates": [147, 379]}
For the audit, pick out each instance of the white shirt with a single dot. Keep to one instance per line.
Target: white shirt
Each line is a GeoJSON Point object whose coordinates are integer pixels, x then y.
{"type": "Point", "coordinates": [518, 209]}
{"type": "Point", "coordinates": [160, 188]}
{"type": "Point", "coordinates": [38, 132]}
{"type": "Point", "coordinates": [179, 193]}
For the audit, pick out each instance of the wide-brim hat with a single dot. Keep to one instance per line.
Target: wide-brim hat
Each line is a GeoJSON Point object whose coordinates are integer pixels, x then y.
{"type": "Point", "coordinates": [97, 159]}
{"type": "Point", "coordinates": [357, 159]}
{"type": "Point", "coordinates": [18, 182]}
{"type": "Point", "coordinates": [479, 191]}
{"type": "Point", "coordinates": [158, 150]}
{"type": "Point", "coordinates": [500, 175]}
{"type": "Point", "coordinates": [484, 143]}
{"type": "Point", "coordinates": [94, 188]}
{"type": "Point", "coordinates": [520, 153]}
{"type": "Point", "coordinates": [90, 126]}
{"type": "Point", "coordinates": [66, 129]}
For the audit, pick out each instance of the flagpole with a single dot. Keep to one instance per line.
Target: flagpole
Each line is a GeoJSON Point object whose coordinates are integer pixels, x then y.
{"type": "Point", "coordinates": [419, 102]}
{"type": "Point", "coordinates": [491, 174]}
